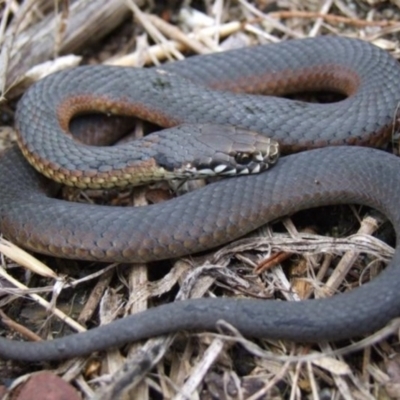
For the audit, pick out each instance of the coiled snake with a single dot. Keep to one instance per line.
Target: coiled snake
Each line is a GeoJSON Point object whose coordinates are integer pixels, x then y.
{"type": "Point", "coordinates": [199, 90]}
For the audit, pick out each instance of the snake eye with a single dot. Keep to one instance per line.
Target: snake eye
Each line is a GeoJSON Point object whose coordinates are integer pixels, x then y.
{"type": "Point", "coordinates": [242, 158]}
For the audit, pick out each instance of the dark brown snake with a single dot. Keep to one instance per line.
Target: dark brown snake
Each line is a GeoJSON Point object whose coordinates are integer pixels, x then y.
{"type": "Point", "coordinates": [226, 210]}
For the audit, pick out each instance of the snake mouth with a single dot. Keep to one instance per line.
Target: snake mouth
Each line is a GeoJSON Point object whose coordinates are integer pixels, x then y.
{"type": "Point", "coordinates": [239, 164]}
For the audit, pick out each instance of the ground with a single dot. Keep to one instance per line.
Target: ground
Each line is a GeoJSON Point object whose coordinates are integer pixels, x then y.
{"type": "Point", "coordinates": [51, 297]}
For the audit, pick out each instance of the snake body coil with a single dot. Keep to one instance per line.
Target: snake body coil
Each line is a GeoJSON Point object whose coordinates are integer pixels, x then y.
{"type": "Point", "coordinates": [184, 92]}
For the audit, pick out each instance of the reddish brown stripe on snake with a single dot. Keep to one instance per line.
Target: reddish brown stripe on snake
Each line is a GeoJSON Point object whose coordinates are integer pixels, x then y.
{"type": "Point", "coordinates": [226, 210]}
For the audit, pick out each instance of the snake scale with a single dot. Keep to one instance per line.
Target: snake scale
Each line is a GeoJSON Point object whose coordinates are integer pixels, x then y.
{"type": "Point", "coordinates": [214, 89]}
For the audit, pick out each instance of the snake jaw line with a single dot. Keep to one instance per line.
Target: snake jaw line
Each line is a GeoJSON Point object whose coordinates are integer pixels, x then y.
{"type": "Point", "coordinates": [219, 169]}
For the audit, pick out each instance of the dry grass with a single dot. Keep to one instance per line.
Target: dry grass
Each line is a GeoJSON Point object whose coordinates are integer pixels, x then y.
{"type": "Point", "coordinates": [35, 42]}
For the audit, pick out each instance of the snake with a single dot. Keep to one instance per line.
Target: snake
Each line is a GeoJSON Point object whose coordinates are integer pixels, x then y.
{"type": "Point", "coordinates": [242, 91]}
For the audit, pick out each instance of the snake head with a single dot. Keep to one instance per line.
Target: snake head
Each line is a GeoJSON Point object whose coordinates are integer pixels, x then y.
{"type": "Point", "coordinates": [229, 151]}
